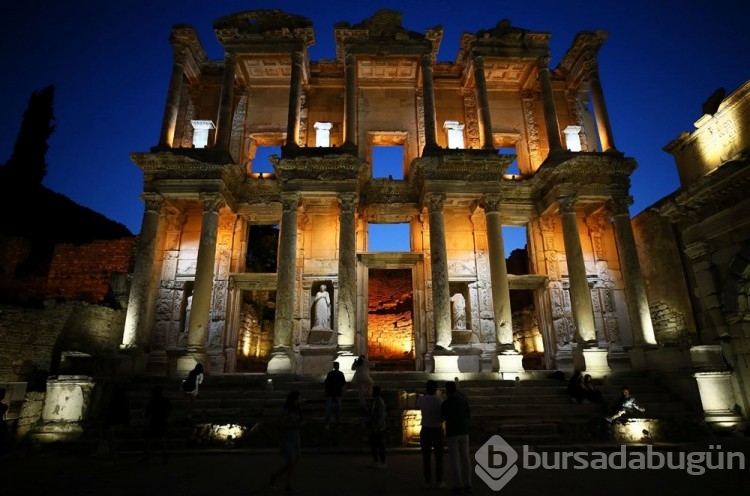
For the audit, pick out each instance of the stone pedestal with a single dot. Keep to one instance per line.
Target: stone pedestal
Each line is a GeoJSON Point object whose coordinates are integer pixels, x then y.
{"type": "Point", "coordinates": [187, 362]}
{"type": "Point", "coordinates": [595, 362]}
{"type": "Point", "coordinates": [510, 365]}
{"type": "Point", "coordinates": [317, 359]}
{"type": "Point", "coordinates": [718, 400]}
{"type": "Point", "coordinates": [320, 336]}
{"type": "Point", "coordinates": [280, 363]}
{"type": "Point", "coordinates": [66, 405]}
{"type": "Point", "coordinates": [466, 360]}
{"type": "Point", "coordinates": [346, 360]}
{"type": "Point", "coordinates": [564, 359]}
{"type": "Point", "coordinates": [707, 357]}
{"type": "Point", "coordinates": [132, 361]}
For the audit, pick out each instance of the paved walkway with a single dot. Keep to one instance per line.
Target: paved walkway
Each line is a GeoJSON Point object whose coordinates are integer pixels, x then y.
{"type": "Point", "coordinates": [227, 473]}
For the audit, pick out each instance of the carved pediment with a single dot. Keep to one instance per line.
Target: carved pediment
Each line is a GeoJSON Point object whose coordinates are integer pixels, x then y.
{"type": "Point", "coordinates": [261, 25]}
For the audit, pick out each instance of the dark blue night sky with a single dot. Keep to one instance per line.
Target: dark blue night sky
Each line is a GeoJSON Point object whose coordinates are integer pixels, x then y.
{"type": "Point", "coordinates": [110, 63]}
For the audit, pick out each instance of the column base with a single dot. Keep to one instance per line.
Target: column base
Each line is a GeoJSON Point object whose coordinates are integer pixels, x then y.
{"type": "Point", "coordinates": [187, 362]}
{"type": "Point", "coordinates": [463, 361]}
{"type": "Point", "coordinates": [316, 359]}
{"type": "Point", "coordinates": [280, 363]}
{"type": "Point", "coordinates": [595, 362]}
{"type": "Point", "coordinates": [618, 358]}
{"type": "Point", "coordinates": [510, 365]}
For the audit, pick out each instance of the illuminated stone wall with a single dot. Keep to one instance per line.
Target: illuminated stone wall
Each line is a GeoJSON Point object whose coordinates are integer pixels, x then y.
{"type": "Point", "coordinates": [389, 322]}
{"type": "Point", "coordinates": [84, 272]}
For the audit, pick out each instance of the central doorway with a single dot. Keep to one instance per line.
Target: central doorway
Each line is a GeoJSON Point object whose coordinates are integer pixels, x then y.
{"type": "Point", "coordinates": [390, 318]}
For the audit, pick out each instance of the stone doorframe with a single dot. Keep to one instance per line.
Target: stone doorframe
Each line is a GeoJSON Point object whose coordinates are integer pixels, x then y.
{"type": "Point", "coordinates": [543, 307]}
{"type": "Point", "coordinates": [394, 260]}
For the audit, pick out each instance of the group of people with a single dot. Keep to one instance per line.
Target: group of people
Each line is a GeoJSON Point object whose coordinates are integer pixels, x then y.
{"type": "Point", "coordinates": [581, 389]}
{"type": "Point", "coordinates": [445, 422]}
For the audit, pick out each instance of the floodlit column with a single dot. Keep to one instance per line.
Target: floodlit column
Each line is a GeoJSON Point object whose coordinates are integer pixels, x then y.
{"type": "Point", "coordinates": [281, 361]}
{"type": "Point", "coordinates": [346, 318]}
{"type": "Point", "coordinates": [580, 295]}
{"type": "Point", "coordinates": [548, 99]}
{"type": "Point", "coordinates": [350, 101]}
{"type": "Point", "coordinates": [295, 99]}
{"type": "Point", "coordinates": [135, 332]}
{"type": "Point", "coordinates": [204, 276]}
{"type": "Point", "coordinates": [224, 134]}
{"type": "Point", "coordinates": [439, 261]}
{"type": "Point", "coordinates": [603, 126]}
{"type": "Point", "coordinates": [498, 274]}
{"type": "Point", "coordinates": [635, 289]}
{"type": "Point", "coordinates": [430, 127]}
{"type": "Point", "coordinates": [173, 99]}
{"type": "Point", "coordinates": [483, 102]}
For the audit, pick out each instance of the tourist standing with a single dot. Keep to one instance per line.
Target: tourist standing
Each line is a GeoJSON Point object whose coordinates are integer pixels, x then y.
{"type": "Point", "coordinates": [190, 386]}
{"type": "Point", "coordinates": [457, 415]}
{"type": "Point", "coordinates": [361, 378]}
{"type": "Point", "coordinates": [291, 421]}
{"type": "Point", "coordinates": [334, 386]}
{"type": "Point", "coordinates": [431, 436]}
{"type": "Point", "coordinates": [376, 425]}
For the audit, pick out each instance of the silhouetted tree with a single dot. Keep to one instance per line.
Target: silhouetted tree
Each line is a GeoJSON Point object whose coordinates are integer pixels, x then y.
{"type": "Point", "coordinates": [27, 165]}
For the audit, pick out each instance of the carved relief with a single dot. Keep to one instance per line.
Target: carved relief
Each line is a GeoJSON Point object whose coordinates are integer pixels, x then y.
{"type": "Point", "coordinates": [471, 115]}
{"type": "Point", "coordinates": [419, 96]}
{"type": "Point", "coordinates": [532, 129]}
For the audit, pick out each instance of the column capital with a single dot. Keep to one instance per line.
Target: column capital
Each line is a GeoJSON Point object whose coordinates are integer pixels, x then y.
{"type": "Point", "coordinates": [347, 202]}
{"type": "Point", "coordinates": [427, 59]}
{"type": "Point", "coordinates": [542, 63]}
{"type": "Point", "coordinates": [619, 205]}
{"type": "Point", "coordinates": [350, 60]}
{"type": "Point", "coordinates": [591, 68]}
{"type": "Point", "coordinates": [478, 61]}
{"type": "Point", "coordinates": [153, 201]}
{"type": "Point", "coordinates": [491, 203]}
{"type": "Point", "coordinates": [212, 202]}
{"type": "Point", "coordinates": [289, 201]}
{"type": "Point", "coordinates": [298, 57]}
{"type": "Point", "coordinates": [434, 201]}
{"type": "Point", "coordinates": [230, 58]}
{"type": "Point", "coordinates": [567, 203]}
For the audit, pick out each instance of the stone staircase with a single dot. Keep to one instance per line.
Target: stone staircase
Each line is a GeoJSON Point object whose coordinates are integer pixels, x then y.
{"type": "Point", "coordinates": [242, 411]}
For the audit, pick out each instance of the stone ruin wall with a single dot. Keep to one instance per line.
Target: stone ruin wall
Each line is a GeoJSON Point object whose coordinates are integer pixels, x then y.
{"type": "Point", "coordinates": [666, 288]}
{"type": "Point", "coordinates": [84, 272]}
{"type": "Point", "coordinates": [390, 316]}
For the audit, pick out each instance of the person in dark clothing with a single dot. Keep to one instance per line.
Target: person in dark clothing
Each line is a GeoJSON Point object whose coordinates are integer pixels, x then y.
{"type": "Point", "coordinates": [456, 413]}
{"type": "Point", "coordinates": [625, 406]}
{"type": "Point", "coordinates": [157, 412]}
{"type": "Point", "coordinates": [334, 385]}
{"type": "Point", "coordinates": [575, 390]}
{"type": "Point", "coordinates": [116, 419]}
{"type": "Point", "coordinates": [4, 436]}
{"type": "Point", "coordinates": [592, 392]}
{"type": "Point", "coordinates": [376, 424]}
{"type": "Point", "coordinates": [431, 435]}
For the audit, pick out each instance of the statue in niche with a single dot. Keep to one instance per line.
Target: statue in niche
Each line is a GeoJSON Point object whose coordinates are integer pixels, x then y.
{"type": "Point", "coordinates": [321, 307]}
{"type": "Point", "coordinates": [188, 309]}
{"type": "Point", "coordinates": [458, 311]}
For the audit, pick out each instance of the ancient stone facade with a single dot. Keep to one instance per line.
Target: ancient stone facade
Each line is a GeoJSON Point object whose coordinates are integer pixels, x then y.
{"type": "Point", "coordinates": [696, 252]}
{"type": "Point", "coordinates": [202, 194]}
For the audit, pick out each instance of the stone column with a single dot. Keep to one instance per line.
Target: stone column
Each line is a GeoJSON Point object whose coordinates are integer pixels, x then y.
{"type": "Point", "coordinates": [548, 99]}
{"type": "Point", "coordinates": [281, 359]}
{"type": "Point", "coordinates": [226, 107]}
{"type": "Point", "coordinates": [295, 99]}
{"type": "Point", "coordinates": [580, 295]}
{"type": "Point", "coordinates": [346, 315]}
{"type": "Point", "coordinates": [635, 289]}
{"type": "Point", "coordinates": [483, 103]}
{"type": "Point", "coordinates": [603, 126]}
{"type": "Point", "coordinates": [510, 362]}
{"type": "Point", "coordinates": [430, 126]}
{"type": "Point", "coordinates": [173, 99]}
{"type": "Point", "coordinates": [439, 261]}
{"type": "Point", "coordinates": [135, 334]}
{"type": "Point", "coordinates": [200, 312]}
{"type": "Point", "coordinates": [350, 101]}
{"type": "Point", "coordinates": [498, 274]}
